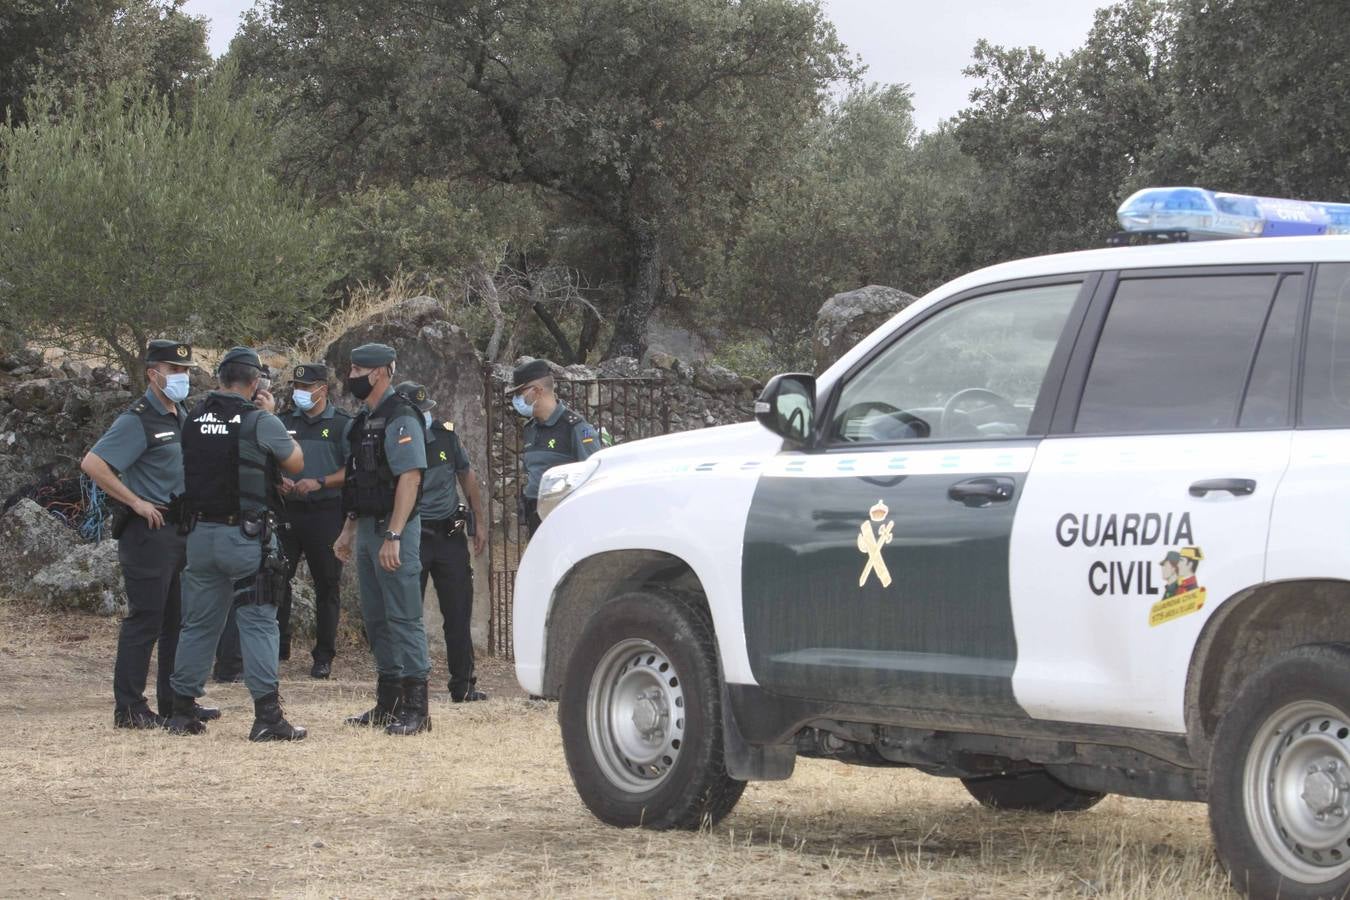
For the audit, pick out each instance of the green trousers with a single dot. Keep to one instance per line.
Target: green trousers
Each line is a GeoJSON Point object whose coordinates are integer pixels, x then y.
{"type": "Point", "coordinates": [391, 602]}
{"type": "Point", "coordinates": [218, 556]}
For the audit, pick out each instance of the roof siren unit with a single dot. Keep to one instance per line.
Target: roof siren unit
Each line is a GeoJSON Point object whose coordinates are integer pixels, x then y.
{"type": "Point", "coordinates": [1170, 214]}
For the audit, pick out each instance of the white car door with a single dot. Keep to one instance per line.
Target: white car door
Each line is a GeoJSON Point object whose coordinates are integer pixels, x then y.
{"type": "Point", "coordinates": [1150, 503]}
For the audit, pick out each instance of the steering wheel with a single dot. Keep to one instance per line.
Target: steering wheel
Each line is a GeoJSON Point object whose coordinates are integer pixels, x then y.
{"type": "Point", "coordinates": [950, 411]}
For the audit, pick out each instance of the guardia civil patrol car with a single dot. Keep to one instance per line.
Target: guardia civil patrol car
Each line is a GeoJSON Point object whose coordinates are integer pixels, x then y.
{"type": "Point", "coordinates": [1067, 526]}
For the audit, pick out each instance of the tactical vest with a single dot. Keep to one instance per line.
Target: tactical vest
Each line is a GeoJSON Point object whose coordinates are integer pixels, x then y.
{"type": "Point", "coordinates": [222, 462]}
{"type": "Point", "coordinates": [159, 428]}
{"type": "Point", "coordinates": [370, 484]}
{"type": "Point", "coordinates": [562, 432]}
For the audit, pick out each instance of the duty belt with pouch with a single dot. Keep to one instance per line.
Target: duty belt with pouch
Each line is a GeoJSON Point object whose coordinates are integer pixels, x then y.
{"type": "Point", "coordinates": [460, 520]}
{"type": "Point", "coordinates": [174, 514]}
{"type": "Point", "coordinates": [268, 584]}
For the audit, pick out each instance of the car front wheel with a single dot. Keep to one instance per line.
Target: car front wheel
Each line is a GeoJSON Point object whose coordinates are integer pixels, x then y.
{"type": "Point", "coordinates": [1279, 802]}
{"type": "Point", "coordinates": [641, 715]}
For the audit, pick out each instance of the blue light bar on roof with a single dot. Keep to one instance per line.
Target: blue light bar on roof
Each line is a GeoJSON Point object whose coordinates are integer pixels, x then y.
{"type": "Point", "coordinates": [1206, 214]}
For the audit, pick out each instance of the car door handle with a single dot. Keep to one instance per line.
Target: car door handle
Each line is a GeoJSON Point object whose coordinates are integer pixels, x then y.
{"type": "Point", "coordinates": [1238, 487]}
{"type": "Point", "coordinates": [978, 492]}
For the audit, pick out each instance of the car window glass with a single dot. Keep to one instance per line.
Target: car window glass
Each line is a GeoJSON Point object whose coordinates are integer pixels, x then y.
{"type": "Point", "coordinates": [1174, 354]}
{"type": "Point", "coordinates": [1266, 404]}
{"type": "Point", "coordinates": [1326, 376]}
{"type": "Point", "coordinates": [973, 370]}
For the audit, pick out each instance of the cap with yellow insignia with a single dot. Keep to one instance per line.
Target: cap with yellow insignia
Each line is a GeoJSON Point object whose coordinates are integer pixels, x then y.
{"type": "Point", "coordinates": [166, 351]}
{"type": "Point", "coordinates": [411, 390]}
{"type": "Point", "coordinates": [310, 373]}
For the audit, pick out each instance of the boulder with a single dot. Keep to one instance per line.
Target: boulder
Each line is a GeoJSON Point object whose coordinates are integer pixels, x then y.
{"type": "Point", "coordinates": [436, 352]}
{"type": "Point", "coordinates": [716, 379]}
{"type": "Point", "coordinates": [849, 317]}
{"type": "Point", "coordinates": [31, 539]}
{"type": "Point", "coordinates": [303, 620]}
{"type": "Point", "coordinates": [88, 578]}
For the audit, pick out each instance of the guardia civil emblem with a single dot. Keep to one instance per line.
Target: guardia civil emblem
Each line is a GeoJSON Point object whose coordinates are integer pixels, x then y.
{"type": "Point", "coordinates": [181, 351]}
{"type": "Point", "coordinates": [870, 542]}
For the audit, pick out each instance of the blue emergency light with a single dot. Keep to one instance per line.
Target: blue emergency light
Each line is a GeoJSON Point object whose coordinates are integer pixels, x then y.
{"type": "Point", "coordinates": [1199, 214]}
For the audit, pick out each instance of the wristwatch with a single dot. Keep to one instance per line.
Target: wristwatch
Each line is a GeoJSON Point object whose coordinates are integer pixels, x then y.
{"type": "Point", "coordinates": [392, 536]}
{"type": "Point", "coordinates": [322, 480]}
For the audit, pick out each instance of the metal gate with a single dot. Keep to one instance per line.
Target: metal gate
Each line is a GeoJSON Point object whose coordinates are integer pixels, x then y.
{"type": "Point", "coordinates": [623, 409]}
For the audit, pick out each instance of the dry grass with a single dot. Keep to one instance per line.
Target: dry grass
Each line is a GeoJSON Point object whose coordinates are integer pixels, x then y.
{"type": "Point", "coordinates": [483, 806]}
{"type": "Point", "coordinates": [366, 300]}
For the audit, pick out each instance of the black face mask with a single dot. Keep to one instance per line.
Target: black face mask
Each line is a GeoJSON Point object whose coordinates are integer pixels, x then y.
{"type": "Point", "coordinates": [359, 388]}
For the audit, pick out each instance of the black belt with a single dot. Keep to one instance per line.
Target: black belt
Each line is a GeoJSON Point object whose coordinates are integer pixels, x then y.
{"type": "Point", "coordinates": [315, 505]}
{"type": "Point", "coordinates": [446, 527]}
{"type": "Point", "coordinates": [231, 519]}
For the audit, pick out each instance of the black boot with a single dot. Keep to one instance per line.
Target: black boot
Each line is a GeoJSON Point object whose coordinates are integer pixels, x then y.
{"type": "Point", "coordinates": [269, 724]}
{"type": "Point", "coordinates": [205, 713]}
{"type": "Point", "coordinates": [139, 719]}
{"type": "Point", "coordinates": [184, 719]}
{"type": "Point", "coordinates": [387, 696]}
{"type": "Point", "coordinates": [413, 717]}
{"type": "Point", "coordinates": [466, 691]}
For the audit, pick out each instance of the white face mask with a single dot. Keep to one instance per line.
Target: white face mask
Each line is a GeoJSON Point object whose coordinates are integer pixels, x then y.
{"type": "Point", "coordinates": [426, 416]}
{"type": "Point", "coordinates": [176, 386]}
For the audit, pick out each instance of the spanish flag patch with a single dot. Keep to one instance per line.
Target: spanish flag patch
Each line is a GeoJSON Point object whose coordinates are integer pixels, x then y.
{"type": "Point", "coordinates": [406, 439]}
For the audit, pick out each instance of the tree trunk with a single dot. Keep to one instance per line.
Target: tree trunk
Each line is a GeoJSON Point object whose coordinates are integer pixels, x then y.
{"type": "Point", "coordinates": [641, 289]}
{"type": "Point", "coordinates": [554, 329]}
{"type": "Point", "coordinates": [590, 333]}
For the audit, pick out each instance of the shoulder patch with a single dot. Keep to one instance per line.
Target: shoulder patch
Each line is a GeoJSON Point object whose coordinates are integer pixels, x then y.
{"type": "Point", "coordinates": [572, 417]}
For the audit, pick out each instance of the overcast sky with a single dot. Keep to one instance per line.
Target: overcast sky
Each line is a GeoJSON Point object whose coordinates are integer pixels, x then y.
{"type": "Point", "coordinates": [922, 43]}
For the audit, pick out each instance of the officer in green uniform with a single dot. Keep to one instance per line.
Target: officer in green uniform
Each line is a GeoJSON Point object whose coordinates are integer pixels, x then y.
{"type": "Point", "coordinates": [234, 450]}
{"type": "Point", "coordinates": [447, 528]}
{"type": "Point", "coordinates": [554, 434]}
{"type": "Point", "coordinates": [314, 508]}
{"type": "Point", "coordinates": [380, 498]}
{"type": "Point", "coordinates": [138, 462]}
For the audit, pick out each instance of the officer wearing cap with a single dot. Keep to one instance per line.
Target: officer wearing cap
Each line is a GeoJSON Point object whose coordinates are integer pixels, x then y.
{"type": "Point", "coordinates": [380, 498]}
{"type": "Point", "coordinates": [314, 508]}
{"type": "Point", "coordinates": [234, 450]}
{"type": "Point", "coordinates": [446, 531]}
{"type": "Point", "coordinates": [554, 434]}
{"type": "Point", "coordinates": [138, 462]}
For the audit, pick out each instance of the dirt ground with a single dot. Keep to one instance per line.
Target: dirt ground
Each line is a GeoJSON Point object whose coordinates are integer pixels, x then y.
{"type": "Point", "coordinates": [483, 806]}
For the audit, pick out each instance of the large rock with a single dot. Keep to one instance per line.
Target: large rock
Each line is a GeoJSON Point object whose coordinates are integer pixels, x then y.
{"type": "Point", "coordinates": [88, 578]}
{"type": "Point", "coordinates": [30, 540]}
{"type": "Point", "coordinates": [851, 316]}
{"type": "Point", "coordinates": [433, 351]}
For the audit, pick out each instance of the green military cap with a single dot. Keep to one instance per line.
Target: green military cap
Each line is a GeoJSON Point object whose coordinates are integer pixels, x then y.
{"type": "Point", "coordinates": [416, 393]}
{"type": "Point", "coordinates": [244, 356]}
{"type": "Point", "coordinates": [310, 373]}
{"type": "Point", "coordinates": [166, 351]}
{"type": "Point", "coordinates": [372, 356]}
{"type": "Point", "coordinates": [527, 372]}
{"type": "Point", "coordinates": [1172, 557]}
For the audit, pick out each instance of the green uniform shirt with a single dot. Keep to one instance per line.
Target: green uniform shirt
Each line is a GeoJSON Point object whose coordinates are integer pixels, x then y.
{"type": "Point", "coordinates": [563, 437]}
{"type": "Point", "coordinates": [325, 441]}
{"type": "Point", "coordinates": [404, 446]}
{"type": "Point", "coordinates": [152, 473]}
{"type": "Point", "coordinates": [445, 459]}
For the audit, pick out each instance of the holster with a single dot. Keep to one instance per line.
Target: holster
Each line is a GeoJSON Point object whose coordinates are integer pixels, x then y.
{"type": "Point", "coordinates": [122, 516]}
{"type": "Point", "coordinates": [268, 584]}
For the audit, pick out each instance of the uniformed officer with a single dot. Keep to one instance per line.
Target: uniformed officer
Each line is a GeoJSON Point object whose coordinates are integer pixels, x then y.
{"type": "Point", "coordinates": [554, 434]}
{"type": "Point", "coordinates": [234, 450]}
{"type": "Point", "coordinates": [380, 498]}
{"type": "Point", "coordinates": [314, 508]}
{"type": "Point", "coordinates": [138, 462]}
{"type": "Point", "coordinates": [446, 531]}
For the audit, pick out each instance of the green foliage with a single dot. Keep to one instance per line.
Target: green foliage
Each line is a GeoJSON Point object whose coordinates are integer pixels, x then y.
{"type": "Point", "coordinates": [646, 119]}
{"type": "Point", "coordinates": [82, 45]}
{"type": "Point", "coordinates": [119, 224]}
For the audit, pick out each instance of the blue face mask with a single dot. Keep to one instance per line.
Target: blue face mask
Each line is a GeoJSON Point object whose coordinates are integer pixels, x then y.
{"type": "Point", "coordinates": [303, 399]}
{"type": "Point", "coordinates": [520, 406]}
{"type": "Point", "coordinates": [176, 386]}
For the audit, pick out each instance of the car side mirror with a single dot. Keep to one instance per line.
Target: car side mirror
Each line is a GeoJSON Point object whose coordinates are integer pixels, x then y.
{"type": "Point", "coordinates": [787, 406]}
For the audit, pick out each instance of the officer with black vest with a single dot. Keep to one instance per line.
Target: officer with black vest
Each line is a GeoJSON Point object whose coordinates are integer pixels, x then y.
{"type": "Point", "coordinates": [447, 528]}
{"type": "Point", "coordinates": [138, 462]}
{"type": "Point", "coordinates": [380, 497]}
{"type": "Point", "coordinates": [554, 434]}
{"type": "Point", "coordinates": [314, 508]}
{"type": "Point", "coordinates": [234, 450]}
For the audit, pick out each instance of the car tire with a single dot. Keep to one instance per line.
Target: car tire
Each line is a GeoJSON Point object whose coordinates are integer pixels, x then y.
{"type": "Point", "coordinates": [1031, 792]}
{"type": "Point", "coordinates": [641, 715]}
{"type": "Point", "coordinates": [1279, 796]}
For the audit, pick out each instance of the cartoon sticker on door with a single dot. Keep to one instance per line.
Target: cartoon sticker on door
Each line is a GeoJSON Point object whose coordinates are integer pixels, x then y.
{"type": "Point", "coordinates": [1182, 593]}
